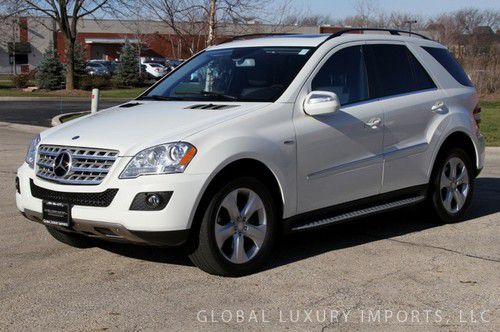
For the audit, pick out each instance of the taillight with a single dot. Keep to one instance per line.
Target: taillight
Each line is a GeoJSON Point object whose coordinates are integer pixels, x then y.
{"type": "Point", "coordinates": [477, 114]}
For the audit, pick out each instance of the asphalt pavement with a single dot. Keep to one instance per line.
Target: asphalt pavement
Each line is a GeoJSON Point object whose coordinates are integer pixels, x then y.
{"type": "Point", "coordinates": [40, 112]}
{"type": "Point", "coordinates": [390, 272]}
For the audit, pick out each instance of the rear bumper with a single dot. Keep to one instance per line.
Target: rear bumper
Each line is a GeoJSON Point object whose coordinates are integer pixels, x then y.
{"type": "Point", "coordinates": [116, 232]}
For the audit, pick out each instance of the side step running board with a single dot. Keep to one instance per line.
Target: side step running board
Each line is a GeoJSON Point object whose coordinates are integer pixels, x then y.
{"type": "Point", "coordinates": [361, 213]}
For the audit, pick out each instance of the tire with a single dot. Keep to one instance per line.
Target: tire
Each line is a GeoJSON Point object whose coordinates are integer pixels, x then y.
{"type": "Point", "coordinates": [450, 195]}
{"type": "Point", "coordinates": [245, 240]}
{"type": "Point", "coordinates": [74, 240]}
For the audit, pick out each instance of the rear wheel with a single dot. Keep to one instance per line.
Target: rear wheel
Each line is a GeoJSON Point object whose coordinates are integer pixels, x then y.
{"type": "Point", "coordinates": [452, 186]}
{"type": "Point", "coordinates": [238, 229]}
{"type": "Point", "coordinates": [74, 240]}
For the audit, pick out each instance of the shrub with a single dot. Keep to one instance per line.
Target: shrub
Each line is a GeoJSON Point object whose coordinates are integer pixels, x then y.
{"type": "Point", "coordinates": [128, 70]}
{"type": "Point", "coordinates": [94, 82]}
{"type": "Point", "coordinates": [21, 80]}
{"type": "Point", "coordinates": [50, 74]}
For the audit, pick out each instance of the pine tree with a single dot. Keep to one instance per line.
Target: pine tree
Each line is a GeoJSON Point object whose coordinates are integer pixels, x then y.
{"type": "Point", "coordinates": [50, 73]}
{"type": "Point", "coordinates": [79, 64]}
{"type": "Point", "coordinates": [128, 70]}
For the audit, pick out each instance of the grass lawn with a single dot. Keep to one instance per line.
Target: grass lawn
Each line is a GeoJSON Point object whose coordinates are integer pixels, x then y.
{"type": "Point", "coordinates": [490, 122]}
{"type": "Point", "coordinates": [122, 93]}
{"type": "Point", "coordinates": [7, 91]}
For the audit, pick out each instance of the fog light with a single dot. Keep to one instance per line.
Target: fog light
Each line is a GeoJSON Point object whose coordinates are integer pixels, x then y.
{"type": "Point", "coordinates": [152, 201]}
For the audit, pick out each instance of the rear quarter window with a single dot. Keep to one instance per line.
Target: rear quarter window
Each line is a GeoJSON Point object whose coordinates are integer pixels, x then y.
{"type": "Point", "coordinates": [450, 64]}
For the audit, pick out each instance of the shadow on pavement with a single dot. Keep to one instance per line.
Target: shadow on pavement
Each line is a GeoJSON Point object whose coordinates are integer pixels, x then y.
{"type": "Point", "coordinates": [303, 245]}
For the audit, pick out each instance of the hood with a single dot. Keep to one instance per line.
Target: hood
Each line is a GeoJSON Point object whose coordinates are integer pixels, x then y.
{"type": "Point", "coordinates": [131, 129]}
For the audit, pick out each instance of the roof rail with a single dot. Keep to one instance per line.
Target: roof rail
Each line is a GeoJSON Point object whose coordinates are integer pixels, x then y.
{"type": "Point", "coordinates": [394, 32]}
{"type": "Point", "coordinates": [254, 35]}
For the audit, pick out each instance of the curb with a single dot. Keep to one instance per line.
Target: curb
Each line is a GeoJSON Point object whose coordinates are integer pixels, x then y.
{"type": "Point", "coordinates": [23, 127]}
{"type": "Point", "coordinates": [57, 119]}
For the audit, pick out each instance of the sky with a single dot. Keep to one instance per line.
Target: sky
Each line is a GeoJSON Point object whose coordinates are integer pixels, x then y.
{"type": "Point", "coordinates": [342, 8]}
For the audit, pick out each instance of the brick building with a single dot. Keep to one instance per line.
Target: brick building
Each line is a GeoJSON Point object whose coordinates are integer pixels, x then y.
{"type": "Point", "coordinates": [25, 39]}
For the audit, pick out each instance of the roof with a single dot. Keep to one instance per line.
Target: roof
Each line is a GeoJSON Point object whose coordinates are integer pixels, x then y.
{"type": "Point", "coordinates": [301, 40]}
{"type": "Point", "coordinates": [314, 40]}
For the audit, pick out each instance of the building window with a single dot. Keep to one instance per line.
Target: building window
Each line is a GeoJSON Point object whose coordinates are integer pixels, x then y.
{"type": "Point", "coordinates": [21, 59]}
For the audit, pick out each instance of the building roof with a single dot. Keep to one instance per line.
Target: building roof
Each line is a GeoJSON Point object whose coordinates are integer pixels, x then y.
{"type": "Point", "coordinates": [110, 41]}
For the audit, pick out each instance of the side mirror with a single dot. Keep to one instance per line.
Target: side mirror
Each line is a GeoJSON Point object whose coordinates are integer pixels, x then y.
{"type": "Point", "coordinates": [321, 102]}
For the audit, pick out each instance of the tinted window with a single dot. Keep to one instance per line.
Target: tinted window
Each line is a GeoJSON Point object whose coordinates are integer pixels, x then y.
{"type": "Point", "coordinates": [345, 74]}
{"type": "Point", "coordinates": [234, 74]}
{"type": "Point", "coordinates": [422, 80]}
{"type": "Point", "coordinates": [394, 70]}
{"type": "Point", "coordinates": [450, 64]}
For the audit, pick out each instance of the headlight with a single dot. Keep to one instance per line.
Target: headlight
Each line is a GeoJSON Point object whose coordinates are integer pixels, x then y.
{"type": "Point", "coordinates": [160, 159]}
{"type": "Point", "coordinates": [31, 154]}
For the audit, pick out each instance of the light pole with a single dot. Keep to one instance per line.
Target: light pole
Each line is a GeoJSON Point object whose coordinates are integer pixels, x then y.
{"type": "Point", "coordinates": [409, 24]}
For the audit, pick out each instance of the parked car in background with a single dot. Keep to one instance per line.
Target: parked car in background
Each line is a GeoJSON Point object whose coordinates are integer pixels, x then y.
{"type": "Point", "coordinates": [172, 64]}
{"type": "Point", "coordinates": [96, 69]}
{"type": "Point", "coordinates": [111, 66]}
{"type": "Point", "coordinates": [155, 70]}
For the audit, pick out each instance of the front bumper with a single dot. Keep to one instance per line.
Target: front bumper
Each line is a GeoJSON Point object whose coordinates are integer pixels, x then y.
{"type": "Point", "coordinates": [117, 221]}
{"type": "Point", "coordinates": [116, 232]}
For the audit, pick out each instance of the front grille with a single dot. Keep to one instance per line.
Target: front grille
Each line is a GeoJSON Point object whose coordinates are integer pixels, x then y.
{"type": "Point", "coordinates": [101, 199]}
{"type": "Point", "coordinates": [88, 167]}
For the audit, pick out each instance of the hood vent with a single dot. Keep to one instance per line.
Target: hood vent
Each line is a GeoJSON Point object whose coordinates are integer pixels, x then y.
{"type": "Point", "coordinates": [210, 107]}
{"type": "Point", "coordinates": [128, 105]}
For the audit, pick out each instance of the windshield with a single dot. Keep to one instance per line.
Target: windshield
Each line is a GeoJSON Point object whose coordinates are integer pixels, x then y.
{"type": "Point", "coordinates": [241, 74]}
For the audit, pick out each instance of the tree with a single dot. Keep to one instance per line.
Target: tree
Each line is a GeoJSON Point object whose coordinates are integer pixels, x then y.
{"type": "Point", "coordinates": [128, 71]}
{"type": "Point", "coordinates": [79, 64]}
{"type": "Point", "coordinates": [190, 19]}
{"type": "Point", "coordinates": [365, 12]}
{"type": "Point", "coordinates": [67, 14]}
{"type": "Point", "coordinates": [50, 73]}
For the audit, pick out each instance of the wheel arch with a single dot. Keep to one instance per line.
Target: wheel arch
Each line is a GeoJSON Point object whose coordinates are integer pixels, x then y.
{"type": "Point", "coordinates": [235, 168]}
{"type": "Point", "coordinates": [457, 139]}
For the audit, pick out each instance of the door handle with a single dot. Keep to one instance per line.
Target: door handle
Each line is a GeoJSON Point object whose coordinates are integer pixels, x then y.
{"type": "Point", "coordinates": [374, 123]}
{"type": "Point", "coordinates": [437, 106]}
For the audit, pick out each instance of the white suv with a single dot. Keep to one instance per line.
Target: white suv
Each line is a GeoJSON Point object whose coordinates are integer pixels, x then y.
{"type": "Point", "coordinates": [255, 136]}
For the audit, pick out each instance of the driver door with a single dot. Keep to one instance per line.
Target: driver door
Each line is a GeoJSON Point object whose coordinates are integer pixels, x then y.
{"type": "Point", "coordinates": [339, 155]}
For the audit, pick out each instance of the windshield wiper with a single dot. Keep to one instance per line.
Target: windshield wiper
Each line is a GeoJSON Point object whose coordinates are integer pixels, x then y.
{"type": "Point", "coordinates": [218, 95]}
{"type": "Point", "coordinates": [207, 93]}
{"type": "Point", "coordinates": [159, 97]}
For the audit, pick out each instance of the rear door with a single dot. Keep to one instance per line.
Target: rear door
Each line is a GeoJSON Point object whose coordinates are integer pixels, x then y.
{"type": "Point", "coordinates": [408, 97]}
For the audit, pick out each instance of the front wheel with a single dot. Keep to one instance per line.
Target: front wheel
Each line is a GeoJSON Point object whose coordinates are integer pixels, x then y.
{"type": "Point", "coordinates": [452, 186]}
{"type": "Point", "coordinates": [238, 229]}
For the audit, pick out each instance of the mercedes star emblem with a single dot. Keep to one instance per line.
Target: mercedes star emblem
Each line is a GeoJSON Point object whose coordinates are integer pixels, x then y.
{"type": "Point", "coordinates": [62, 164]}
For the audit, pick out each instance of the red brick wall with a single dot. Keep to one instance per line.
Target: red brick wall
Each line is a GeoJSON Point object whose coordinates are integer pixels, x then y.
{"type": "Point", "coordinates": [158, 45]}
{"type": "Point", "coordinates": [23, 29]}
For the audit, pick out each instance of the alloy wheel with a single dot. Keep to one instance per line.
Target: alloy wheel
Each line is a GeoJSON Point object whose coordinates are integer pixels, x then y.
{"type": "Point", "coordinates": [454, 185]}
{"type": "Point", "coordinates": [240, 225]}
